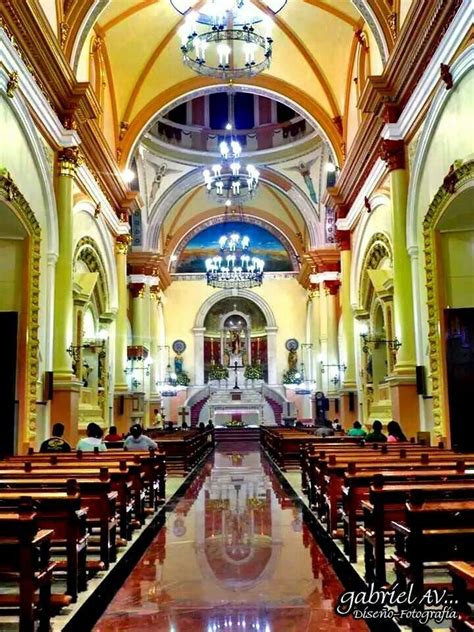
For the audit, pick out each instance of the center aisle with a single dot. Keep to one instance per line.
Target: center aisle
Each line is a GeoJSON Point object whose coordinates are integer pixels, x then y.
{"type": "Point", "coordinates": [233, 554]}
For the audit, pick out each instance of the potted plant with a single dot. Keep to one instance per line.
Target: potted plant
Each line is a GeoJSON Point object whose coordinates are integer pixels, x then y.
{"type": "Point", "coordinates": [292, 376]}
{"type": "Point", "coordinates": [253, 372]}
{"type": "Point", "coordinates": [217, 372]}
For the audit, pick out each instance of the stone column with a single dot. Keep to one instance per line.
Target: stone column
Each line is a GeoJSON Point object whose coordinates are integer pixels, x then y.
{"type": "Point", "coordinates": [349, 387]}
{"type": "Point", "coordinates": [307, 351]}
{"type": "Point", "coordinates": [137, 291]}
{"type": "Point", "coordinates": [323, 339]}
{"type": "Point", "coordinates": [403, 382]}
{"type": "Point", "coordinates": [315, 334]}
{"type": "Point", "coordinates": [65, 404]}
{"type": "Point", "coordinates": [154, 337]}
{"type": "Point", "coordinates": [199, 355]}
{"type": "Point", "coordinates": [331, 289]}
{"type": "Point", "coordinates": [272, 355]}
{"type": "Point", "coordinates": [121, 324]}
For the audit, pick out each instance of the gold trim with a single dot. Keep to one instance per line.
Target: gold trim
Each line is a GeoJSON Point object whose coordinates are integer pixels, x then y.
{"type": "Point", "coordinates": [377, 249]}
{"type": "Point", "coordinates": [458, 178]}
{"type": "Point", "coordinates": [12, 84]}
{"type": "Point", "coordinates": [10, 193]}
{"type": "Point", "coordinates": [122, 244]}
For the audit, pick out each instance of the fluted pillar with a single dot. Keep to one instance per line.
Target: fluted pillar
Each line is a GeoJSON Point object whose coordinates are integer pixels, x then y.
{"type": "Point", "coordinates": [154, 337]}
{"type": "Point", "coordinates": [403, 383]}
{"type": "Point", "coordinates": [121, 324]}
{"type": "Point", "coordinates": [65, 404]}
{"type": "Point", "coordinates": [331, 290]}
{"type": "Point", "coordinates": [315, 334]}
{"type": "Point", "coordinates": [137, 291]}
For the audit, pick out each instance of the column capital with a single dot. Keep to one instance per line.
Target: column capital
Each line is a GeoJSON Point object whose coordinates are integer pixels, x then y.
{"type": "Point", "coordinates": [332, 286]}
{"type": "Point", "coordinates": [69, 160]}
{"type": "Point", "coordinates": [137, 289]}
{"type": "Point", "coordinates": [343, 238]}
{"type": "Point", "coordinates": [393, 154]}
{"type": "Point", "coordinates": [155, 292]}
{"type": "Point", "coordinates": [122, 244]}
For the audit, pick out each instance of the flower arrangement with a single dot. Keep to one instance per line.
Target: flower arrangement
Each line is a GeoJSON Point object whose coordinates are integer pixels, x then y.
{"type": "Point", "coordinates": [292, 376]}
{"type": "Point", "coordinates": [218, 372]}
{"type": "Point", "coordinates": [235, 423]}
{"type": "Point", "coordinates": [253, 372]}
{"type": "Point", "coordinates": [182, 379]}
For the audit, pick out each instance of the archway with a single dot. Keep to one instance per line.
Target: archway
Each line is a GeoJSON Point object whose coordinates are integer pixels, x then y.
{"type": "Point", "coordinates": [449, 239]}
{"type": "Point", "coordinates": [260, 345]}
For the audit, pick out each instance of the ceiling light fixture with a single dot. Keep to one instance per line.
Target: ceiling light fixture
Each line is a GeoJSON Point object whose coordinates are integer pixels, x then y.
{"type": "Point", "coordinates": [227, 39]}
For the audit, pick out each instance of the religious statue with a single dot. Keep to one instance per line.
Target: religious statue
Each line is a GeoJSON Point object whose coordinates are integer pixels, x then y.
{"type": "Point", "coordinates": [86, 371]}
{"type": "Point", "coordinates": [235, 342]}
{"type": "Point", "coordinates": [178, 363]}
{"type": "Point", "coordinates": [226, 358]}
{"type": "Point", "coordinates": [292, 360]}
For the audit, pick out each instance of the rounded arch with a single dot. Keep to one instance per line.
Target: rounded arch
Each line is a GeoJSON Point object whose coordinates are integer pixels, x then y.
{"type": "Point", "coordinates": [22, 115]}
{"type": "Point", "coordinates": [193, 179]}
{"type": "Point", "coordinates": [415, 214]}
{"type": "Point", "coordinates": [221, 219]}
{"type": "Point", "coordinates": [88, 252]}
{"type": "Point", "coordinates": [248, 294]}
{"type": "Point", "coordinates": [104, 249]}
{"type": "Point", "coordinates": [265, 86]}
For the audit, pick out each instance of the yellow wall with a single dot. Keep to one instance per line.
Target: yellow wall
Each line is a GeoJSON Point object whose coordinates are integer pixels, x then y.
{"type": "Point", "coordinates": [49, 8]}
{"type": "Point", "coordinates": [285, 297]}
{"type": "Point", "coordinates": [11, 271]}
{"type": "Point", "coordinates": [458, 248]}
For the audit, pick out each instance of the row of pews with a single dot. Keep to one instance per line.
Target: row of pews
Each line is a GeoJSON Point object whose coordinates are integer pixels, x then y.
{"type": "Point", "coordinates": [183, 448]}
{"type": "Point", "coordinates": [408, 507]}
{"type": "Point", "coordinates": [65, 516]}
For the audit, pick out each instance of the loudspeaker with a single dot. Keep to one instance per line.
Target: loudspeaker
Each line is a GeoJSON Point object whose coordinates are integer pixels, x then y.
{"type": "Point", "coordinates": [420, 380]}
{"type": "Point", "coordinates": [351, 401]}
{"type": "Point", "coordinates": [48, 386]}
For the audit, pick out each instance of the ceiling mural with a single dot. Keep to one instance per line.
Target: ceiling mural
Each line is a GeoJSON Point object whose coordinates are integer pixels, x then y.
{"type": "Point", "coordinates": [206, 244]}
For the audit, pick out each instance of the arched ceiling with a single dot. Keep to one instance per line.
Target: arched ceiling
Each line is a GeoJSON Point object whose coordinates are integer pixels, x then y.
{"type": "Point", "coordinates": [313, 59]}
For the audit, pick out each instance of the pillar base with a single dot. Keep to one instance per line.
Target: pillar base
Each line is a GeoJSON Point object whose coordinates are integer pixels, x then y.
{"type": "Point", "coordinates": [65, 405]}
{"type": "Point", "coordinates": [405, 406]}
{"type": "Point", "coordinates": [346, 415]}
{"type": "Point", "coordinates": [129, 408]}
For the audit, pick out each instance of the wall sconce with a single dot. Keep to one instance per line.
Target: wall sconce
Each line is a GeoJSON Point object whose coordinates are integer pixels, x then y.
{"type": "Point", "coordinates": [341, 368]}
{"type": "Point", "coordinates": [394, 344]}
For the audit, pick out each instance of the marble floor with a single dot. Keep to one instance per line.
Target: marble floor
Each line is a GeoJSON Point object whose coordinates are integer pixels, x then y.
{"type": "Point", "coordinates": [234, 554]}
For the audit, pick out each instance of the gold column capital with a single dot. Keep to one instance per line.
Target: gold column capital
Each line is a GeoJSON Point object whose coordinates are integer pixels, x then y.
{"type": "Point", "coordinates": [122, 244]}
{"type": "Point", "coordinates": [69, 160]}
{"type": "Point", "coordinates": [393, 154]}
{"type": "Point", "coordinates": [155, 293]}
{"type": "Point", "coordinates": [137, 289]}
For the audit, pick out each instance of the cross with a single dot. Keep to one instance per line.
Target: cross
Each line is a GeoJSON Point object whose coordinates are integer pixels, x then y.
{"type": "Point", "coordinates": [183, 413]}
{"type": "Point", "coordinates": [236, 367]}
{"type": "Point", "coordinates": [288, 409]}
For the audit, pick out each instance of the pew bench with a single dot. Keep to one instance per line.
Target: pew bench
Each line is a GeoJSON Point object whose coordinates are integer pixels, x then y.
{"type": "Point", "coordinates": [462, 574]}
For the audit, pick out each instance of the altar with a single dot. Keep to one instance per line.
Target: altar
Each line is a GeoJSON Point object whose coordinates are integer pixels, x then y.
{"type": "Point", "coordinates": [223, 407]}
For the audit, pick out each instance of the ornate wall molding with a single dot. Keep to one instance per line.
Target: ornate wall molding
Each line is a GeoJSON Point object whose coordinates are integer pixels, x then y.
{"type": "Point", "coordinates": [11, 195]}
{"type": "Point", "coordinates": [445, 194]}
{"type": "Point", "coordinates": [378, 249]}
{"type": "Point", "coordinates": [88, 251]}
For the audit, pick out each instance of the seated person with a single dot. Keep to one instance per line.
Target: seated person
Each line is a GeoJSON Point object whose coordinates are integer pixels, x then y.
{"type": "Point", "coordinates": [157, 419]}
{"type": "Point", "coordinates": [356, 430]}
{"type": "Point", "coordinates": [299, 424]}
{"type": "Point", "coordinates": [184, 425]}
{"type": "Point", "coordinates": [136, 440]}
{"type": "Point", "coordinates": [169, 426]}
{"type": "Point", "coordinates": [93, 439]}
{"type": "Point", "coordinates": [201, 426]}
{"type": "Point", "coordinates": [56, 442]}
{"type": "Point", "coordinates": [376, 435]}
{"type": "Point", "coordinates": [395, 433]}
{"type": "Point", "coordinates": [210, 425]}
{"type": "Point", "coordinates": [324, 430]}
{"type": "Point", "coordinates": [336, 424]}
{"type": "Point", "coordinates": [113, 435]}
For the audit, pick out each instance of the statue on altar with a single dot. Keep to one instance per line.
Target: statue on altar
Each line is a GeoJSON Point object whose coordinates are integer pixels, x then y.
{"type": "Point", "coordinates": [178, 363]}
{"type": "Point", "coordinates": [292, 360]}
{"type": "Point", "coordinates": [235, 342]}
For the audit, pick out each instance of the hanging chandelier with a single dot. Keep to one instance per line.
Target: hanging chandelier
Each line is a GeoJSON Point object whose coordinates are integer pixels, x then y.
{"type": "Point", "coordinates": [234, 267]}
{"type": "Point", "coordinates": [229, 180]}
{"type": "Point", "coordinates": [226, 39]}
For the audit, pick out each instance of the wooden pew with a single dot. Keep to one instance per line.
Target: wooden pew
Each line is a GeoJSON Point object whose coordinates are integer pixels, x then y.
{"type": "Point", "coordinates": [462, 574]}
{"type": "Point", "coordinates": [387, 504]}
{"type": "Point", "coordinates": [357, 484]}
{"type": "Point", "coordinates": [183, 449]}
{"type": "Point", "coordinates": [62, 514]}
{"type": "Point", "coordinates": [432, 531]}
{"type": "Point", "coordinates": [97, 495]}
{"type": "Point", "coordinates": [25, 561]}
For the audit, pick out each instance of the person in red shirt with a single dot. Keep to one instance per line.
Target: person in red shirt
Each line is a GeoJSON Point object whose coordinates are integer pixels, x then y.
{"type": "Point", "coordinates": [113, 435]}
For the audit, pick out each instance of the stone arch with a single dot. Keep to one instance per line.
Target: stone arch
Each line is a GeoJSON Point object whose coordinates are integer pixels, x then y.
{"type": "Point", "coordinates": [11, 196]}
{"type": "Point", "coordinates": [199, 330]}
{"type": "Point", "coordinates": [462, 179]}
{"type": "Point", "coordinates": [248, 294]}
{"type": "Point", "coordinates": [223, 219]}
{"type": "Point", "coordinates": [88, 252]}
{"type": "Point", "coordinates": [193, 179]}
{"type": "Point", "coordinates": [378, 249]}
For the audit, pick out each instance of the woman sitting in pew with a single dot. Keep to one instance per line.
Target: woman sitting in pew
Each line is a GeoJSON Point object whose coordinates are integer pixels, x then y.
{"type": "Point", "coordinates": [376, 435]}
{"type": "Point", "coordinates": [395, 433]}
{"type": "Point", "coordinates": [136, 440]}
{"type": "Point", "coordinates": [93, 439]}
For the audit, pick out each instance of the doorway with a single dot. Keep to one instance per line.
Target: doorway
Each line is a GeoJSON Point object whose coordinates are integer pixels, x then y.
{"type": "Point", "coordinates": [459, 344]}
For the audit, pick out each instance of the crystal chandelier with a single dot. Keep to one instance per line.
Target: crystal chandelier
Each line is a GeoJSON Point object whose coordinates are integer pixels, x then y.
{"type": "Point", "coordinates": [228, 180]}
{"type": "Point", "coordinates": [226, 39]}
{"type": "Point", "coordinates": [234, 267]}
